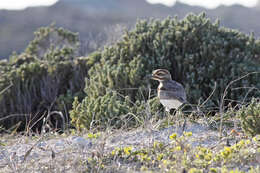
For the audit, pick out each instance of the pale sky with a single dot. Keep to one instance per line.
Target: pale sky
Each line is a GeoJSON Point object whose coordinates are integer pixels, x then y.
{"type": "Point", "coordinates": [21, 4]}
{"type": "Point", "coordinates": [208, 3]}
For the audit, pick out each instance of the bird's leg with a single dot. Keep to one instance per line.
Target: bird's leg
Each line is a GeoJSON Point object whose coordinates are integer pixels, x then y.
{"type": "Point", "coordinates": [177, 113]}
{"type": "Point", "coordinates": [179, 117]}
{"type": "Point", "coordinates": [167, 115]}
{"type": "Point", "coordinates": [184, 125]}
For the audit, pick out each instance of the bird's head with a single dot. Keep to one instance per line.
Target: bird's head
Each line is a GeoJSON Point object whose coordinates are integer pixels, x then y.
{"type": "Point", "coordinates": [161, 75]}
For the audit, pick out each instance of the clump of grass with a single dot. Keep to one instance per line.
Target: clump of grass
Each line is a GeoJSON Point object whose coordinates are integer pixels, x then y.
{"type": "Point", "coordinates": [250, 117]}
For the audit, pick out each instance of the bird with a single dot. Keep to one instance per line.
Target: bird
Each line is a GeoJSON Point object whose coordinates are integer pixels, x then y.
{"type": "Point", "coordinates": [171, 94]}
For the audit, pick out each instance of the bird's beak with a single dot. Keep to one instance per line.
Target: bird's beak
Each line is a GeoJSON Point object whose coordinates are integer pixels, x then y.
{"type": "Point", "coordinates": [150, 76]}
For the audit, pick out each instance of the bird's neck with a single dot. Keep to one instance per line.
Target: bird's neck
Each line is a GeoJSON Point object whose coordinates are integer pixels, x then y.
{"type": "Point", "coordinates": [161, 86]}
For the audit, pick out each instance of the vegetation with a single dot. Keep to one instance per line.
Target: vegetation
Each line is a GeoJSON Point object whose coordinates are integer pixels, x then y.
{"type": "Point", "coordinates": [180, 156]}
{"type": "Point", "coordinates": [110, 91]}
{"type": "Point", "coordinates": [176, 154]}
{"type": "Point", "coordinates": [48, 76]}
{"type": "Point", "coordinates": [207, 59]}
{"type": "Point", "coordinates": [250, 117]}
{"type": "Point", "coordinates": [44, 78]}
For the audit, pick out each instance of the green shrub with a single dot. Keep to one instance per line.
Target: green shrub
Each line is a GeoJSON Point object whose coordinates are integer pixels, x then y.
{"type": "Point", "coordinates": [46, 77]}
{"type": "Point", "coordinates": [52, 43]}
{"type": "Point", "coordinates": [250, 117]}
{"type": "Point", "coordinates": [112, 107]}
{"type": "Point", "coordinates": [198, 54]}
{"type": "Point", "coordinates": [111, 110]}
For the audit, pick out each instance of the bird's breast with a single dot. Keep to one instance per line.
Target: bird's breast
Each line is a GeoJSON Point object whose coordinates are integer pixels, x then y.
{"type": "Point", "coordinates": [171, 103]}
{"type": "Point", "coordinates": [163, 94]}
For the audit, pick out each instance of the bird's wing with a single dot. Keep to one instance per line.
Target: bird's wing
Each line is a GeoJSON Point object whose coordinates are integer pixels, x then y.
{"type": "Point", "coordinates": [176, 90]}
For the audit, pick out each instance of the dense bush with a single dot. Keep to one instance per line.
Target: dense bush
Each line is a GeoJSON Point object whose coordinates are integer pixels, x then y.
{"type": "Point", "coordinates": [197, 52]}
{"type": "Point", "coordinates": [46, 77]}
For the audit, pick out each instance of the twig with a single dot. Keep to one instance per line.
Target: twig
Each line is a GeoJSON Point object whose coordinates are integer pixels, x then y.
{"type": "Point", "coordinates": [30, 150]}
{"type": "Point", "coordinates": [1, 92]}
{"type": "Point", "coordinates": [211, 94]}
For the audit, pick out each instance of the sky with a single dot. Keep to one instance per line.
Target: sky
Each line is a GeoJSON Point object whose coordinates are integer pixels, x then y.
{"type": "Point", "coordinates": [208, 3]}
{"type": "Point", "coordinates": [21, 4]}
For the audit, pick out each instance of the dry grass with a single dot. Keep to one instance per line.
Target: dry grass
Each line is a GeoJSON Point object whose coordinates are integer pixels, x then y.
{"type": "Point", "coordinates": [156, 146]}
